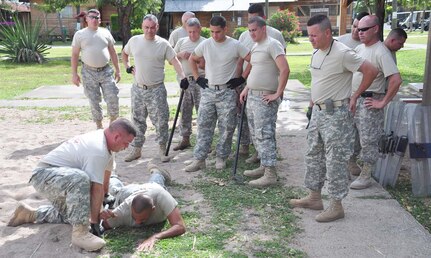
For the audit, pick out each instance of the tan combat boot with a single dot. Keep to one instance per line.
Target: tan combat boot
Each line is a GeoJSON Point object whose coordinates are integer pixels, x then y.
{"type": "Point", "coordinates": [82, 238]}
{"type": "Point", "coordinates": [153, 168]}
{"type": "Point", "coordinates": [99, 124]}
{"type": "Point", "coordinates": [255, 173]}
{"type": "Point", "coordinates": [253, 159]}
{"type": "Point", "coordinates": [269, 178]}
{"type": "Point", "coordinates": [112, 119]}
{"type": "Point", "coordinates": [333, 212]}
{"type": "Point", "coordinates": [135, 153]}
{"type": "Point", "coordinates": [364, 179]}
{"type": "Point", "coordinates": [312, 201]}
{"type": "Point", "coordinates": [196, 165]}
{"type": "Point", "coordinates": [184, 144]}
{"type": "Point", "coordinates": [244, 150]}
{"type": "Point", "coordinates": [162, 152]}
{"type": "Point", "coordinates": [23, 214]}
{"type": "Point", "coordinates": [353, 168]}
{"type": "Point", "coordinates": [220, 163]}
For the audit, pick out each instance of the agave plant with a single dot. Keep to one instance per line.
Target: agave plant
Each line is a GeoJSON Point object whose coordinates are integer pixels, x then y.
{"type": "Point", "coordinates": [23, 42]}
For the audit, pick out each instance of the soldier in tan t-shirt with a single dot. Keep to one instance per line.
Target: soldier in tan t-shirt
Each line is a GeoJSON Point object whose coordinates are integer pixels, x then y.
{"type": "Point", "coordinates": [96, 45]}
{"type": "Point", "coordinates": [218, 100]}
{"type": "Point", "coordinates": [149, 96]}
{"type": "Point", "coordinates": [265, 86]}
{"type": "Point", "coordinates": [180, 32]}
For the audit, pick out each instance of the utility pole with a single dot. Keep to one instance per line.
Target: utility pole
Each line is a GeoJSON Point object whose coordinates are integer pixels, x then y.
{"type": "Point", "coordinates": [267, 8]}
{"type": "Point", "coordinates": [394, 18]}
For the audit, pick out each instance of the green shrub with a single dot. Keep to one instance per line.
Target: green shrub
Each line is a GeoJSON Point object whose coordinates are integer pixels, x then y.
{"type": "Point", "coordinates": [137, 31]}
{"type": "Point", "coordinates": [287, 23]}
{"type": "Point", "coordinates": [205, 32]}
{"type": "Point", "coordinates": [22, 42]}
{"type": "Point", "coordinates": [115, 26]}
{"type": "Point", "coordinates": [238, 31]}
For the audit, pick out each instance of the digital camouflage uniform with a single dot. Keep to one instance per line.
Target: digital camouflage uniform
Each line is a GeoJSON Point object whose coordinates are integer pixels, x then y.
{"type": "Point", "coordinates": [369, 124]}
{"type": "Point", "coordinates": [97, 83]}
{"type": "Point", "coordinates": [330, 145]}
{"type": "Point", "coordinates": [263, 117]}
{"type": "Point", "coordinates": [150, 102]}
{"type": "Point", "coordinates": [68, 189]}
{"type": "Point", "coordinates": [191, 98]}
{"type": "Point", "coordinates": [246, 132]}
{"type": "Point", "coordinates": [216, 106]}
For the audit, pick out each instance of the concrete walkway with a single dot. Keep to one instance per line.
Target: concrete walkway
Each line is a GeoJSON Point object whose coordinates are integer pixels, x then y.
{"type": "Point", "coordinates": [375, 224]}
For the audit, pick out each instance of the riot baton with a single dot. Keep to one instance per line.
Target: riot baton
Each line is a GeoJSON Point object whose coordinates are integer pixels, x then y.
{"type": "Point", "coordinates": [175, 122]}
{"type": "Point", "coordinates": [234, 176]}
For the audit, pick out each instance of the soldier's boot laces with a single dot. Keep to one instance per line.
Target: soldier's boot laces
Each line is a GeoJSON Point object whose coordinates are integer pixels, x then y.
{"type": "Point", "coordinates": [364, 179]}
{"type": "Point", "coordinates": [244, 150]}
{"type": "Point", "coordinates": [333, 212]}
{"type": "Point", "coordinates": [255, 173]}
{"type": "Point", "coordinates": [312, 201]}
{"type": "Point", "coordinates": [82, 238]}
{"type": "Point", "coordinates": [269, 178]}
{"type": "Point", "coordinates": [353, 168]}
{"type": "Point", "coordinates": [153, 168]}
{"type": "Point", "coordinates": [184, 144]}
{"type": "Point", "coordinates": [23, 214]}
{"type": "Point", "coordinates": [253, 159]}
{"type": "Point", "coordinates": [135, 153]}
{"type": "Point", "coordinates": [99, 124]}
{"type": "Point", "coordinates": [196, 165]}
{"type": "Point", "coordinates": [162, 151]}
{"type": "Point", "coordinates": [220, 163]}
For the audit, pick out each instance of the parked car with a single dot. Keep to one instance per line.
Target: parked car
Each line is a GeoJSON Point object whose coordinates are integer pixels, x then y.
{"type": "Point", "coordinates": [427, 24]}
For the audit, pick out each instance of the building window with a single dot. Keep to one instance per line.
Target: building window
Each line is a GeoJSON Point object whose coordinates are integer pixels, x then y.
{"type": "Point", "coordinates": [67, 12]}
{"type": "Point", "coordinates": [215, 14]}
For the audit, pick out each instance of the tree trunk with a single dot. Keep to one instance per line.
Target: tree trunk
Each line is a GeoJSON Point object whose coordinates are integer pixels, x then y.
{"type": "Point", "coordinates": [380, 12]}
{"type": "Point", "coordinates": [124, 15]}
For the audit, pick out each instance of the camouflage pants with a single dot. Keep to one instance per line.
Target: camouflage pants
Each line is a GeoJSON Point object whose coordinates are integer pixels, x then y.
{"type": "Point", "coordinates": [369, 124]}
{"type": "Point", "coordinates": [104, 81]}
{"type": "Point", "coordinates": [246, 127]}
{"type": "Point", "coordinates": [68, 189]}
{"type": "Point", "coordinates": [151, 102]}
{"type": "Point", "coordinates": [216, 105]}
{"type": "Point", "coordinates": [330, 141]}
{"type": "Point", "coordinates": [192, 97]}
{"type": "Point", "coordinates": [263, 118]}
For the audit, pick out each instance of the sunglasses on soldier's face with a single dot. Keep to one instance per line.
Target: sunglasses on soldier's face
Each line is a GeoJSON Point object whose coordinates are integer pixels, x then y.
{"type": "Point", "coordinates": [94, 17]}
{"type": "Point", "coordinates": [366, 28]}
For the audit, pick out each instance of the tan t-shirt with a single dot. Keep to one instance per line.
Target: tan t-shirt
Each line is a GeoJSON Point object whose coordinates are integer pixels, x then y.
{"type": "Point", "coordinates": [163, 201]}
{"type": "Point", "coordinates": [347, 40]}
{"type": "Point", "coordinates": [331, 77]}
{"type": "Point", "coordinates": [220, 58]}
{"type": "Point", "coordinates": [185, 44]}
{"type": "Point", "coordinates": [264, 72]}
{"type": "Point", "coordinates": [94, 46]}
{"type": "Point", "coordinates": [149, 57]}
{"type": "Point", "coordinates": [381, 58]}
{"type": "Point", "coordinates": [247, 41]}
{"type": "Point", "coordinates": [178, 33]}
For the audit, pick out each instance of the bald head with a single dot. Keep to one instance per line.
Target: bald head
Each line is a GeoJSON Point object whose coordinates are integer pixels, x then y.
{"type": "Point", "coordinates": [368, 28]}
{"type": "Point", "coordinates": [186, 16]}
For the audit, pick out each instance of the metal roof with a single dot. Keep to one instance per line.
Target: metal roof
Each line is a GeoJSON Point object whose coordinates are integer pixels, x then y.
{"type": "Point", "coordinates": [173, 6]}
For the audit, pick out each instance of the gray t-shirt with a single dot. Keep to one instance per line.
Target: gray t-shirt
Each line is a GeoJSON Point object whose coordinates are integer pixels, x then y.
{"type": "Point", "coordinates": [185, 44]}
{"type": "Point", "coordinates": [347, 40]}
{"type": "Point", "coordinates": [176, 35]}
{"type": "Point", "coordinates": [381, 58]}
{"type": "Point", "coordinates": [264, 72]}
{"type": "Point", "coordinates": [149, 57]}
{"type": "Point", "coordinates": [332, 71]}
{"type": "Point", "coordinates": [94, 46]}
{"type": "Point", "coordinates": [163, 201]}
{"type": "Point", "coordinates": [220, 58]}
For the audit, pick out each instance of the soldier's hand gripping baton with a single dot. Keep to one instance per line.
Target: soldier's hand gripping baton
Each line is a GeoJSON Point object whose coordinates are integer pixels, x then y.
{"type": "Point", "coordinates": [234, 176]}
{"type": "Point", "coordinates": [175, 122]}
